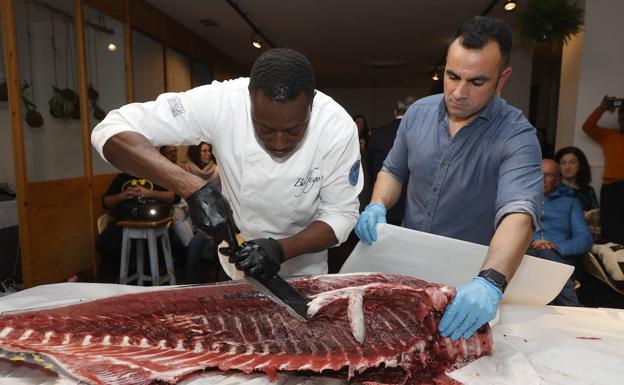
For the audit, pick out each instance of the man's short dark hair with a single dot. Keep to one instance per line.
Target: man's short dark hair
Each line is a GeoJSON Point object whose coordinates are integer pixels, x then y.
{"type": "Point", "coordinates": [480, 30]}
{"type": "Point", "coordinates": [282, 74]}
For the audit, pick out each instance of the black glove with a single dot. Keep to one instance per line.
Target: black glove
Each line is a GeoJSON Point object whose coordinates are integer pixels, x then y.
{"type": "Point", "coordinates": [260, 258]}
{"type": "Point", "coordinates": [210, 212]}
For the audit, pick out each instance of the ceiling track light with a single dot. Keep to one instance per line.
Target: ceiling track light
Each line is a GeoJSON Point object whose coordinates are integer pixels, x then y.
{"type": "Point", "coordinates": [435, 76]}
{"type": "Point", "coordinates": [256, 32]}
{"type": "Point", "coordinates": [255, 40]}
{"type": "Point", "coordinates": [509, 5]}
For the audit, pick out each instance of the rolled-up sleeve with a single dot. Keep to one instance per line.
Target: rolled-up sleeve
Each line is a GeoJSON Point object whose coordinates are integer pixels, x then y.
{"type": "Point", "coordinates": [520, 183]}
{"type": "Point", "coordinates": [172, 119]}
{"type": "Point", "coordinates": [339, 194]}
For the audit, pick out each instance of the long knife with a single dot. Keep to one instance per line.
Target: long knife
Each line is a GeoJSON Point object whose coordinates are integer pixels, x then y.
{"type": "Point", "coordinates": [275, 288]}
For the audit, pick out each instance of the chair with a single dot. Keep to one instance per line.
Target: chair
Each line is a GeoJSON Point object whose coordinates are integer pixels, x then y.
{"type": "Point", "coordinates": [102, 222]}
{"type": "Point", "coordinates": [150, 231]}
{"type": "Point", "coordinates": [594, 266]}
{"type": "Point", "coordinates": [592, 217]}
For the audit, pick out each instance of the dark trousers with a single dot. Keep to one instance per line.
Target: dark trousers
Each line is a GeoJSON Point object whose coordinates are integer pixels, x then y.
{"type": "Point", "coordinates": [108, 244]}
{"type": "Point", "coordinates": [567, 296]}
{"type": "Point", "coordinates": [199, 248]}
{"type": "Point", "coordinates": [612, 212]}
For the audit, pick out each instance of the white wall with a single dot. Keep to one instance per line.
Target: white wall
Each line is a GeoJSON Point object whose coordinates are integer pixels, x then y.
{"type": "Point", "coordinates": [593, 64]}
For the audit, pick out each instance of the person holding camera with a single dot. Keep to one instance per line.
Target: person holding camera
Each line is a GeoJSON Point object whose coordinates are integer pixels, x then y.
{"type": "Point", "coordinates": [612, 192]}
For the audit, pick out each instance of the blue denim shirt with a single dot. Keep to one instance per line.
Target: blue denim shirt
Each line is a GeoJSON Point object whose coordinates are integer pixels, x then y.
{"type": "Point", "coordinates": [564, 223]}
{"type": "Point", "coordinates": [463, 187]}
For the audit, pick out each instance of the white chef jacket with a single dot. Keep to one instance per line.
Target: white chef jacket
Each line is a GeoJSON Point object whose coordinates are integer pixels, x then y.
{"type": "Point", "coordinates": [319, 182]}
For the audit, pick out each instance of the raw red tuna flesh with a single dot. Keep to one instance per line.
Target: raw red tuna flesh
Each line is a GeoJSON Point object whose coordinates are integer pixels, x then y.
{"type": "Point", "coordinates": [376, 328]}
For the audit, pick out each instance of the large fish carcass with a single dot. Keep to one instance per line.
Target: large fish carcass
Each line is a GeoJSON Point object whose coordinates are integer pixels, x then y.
{"type": "Point", "coordinates": [372, 328]}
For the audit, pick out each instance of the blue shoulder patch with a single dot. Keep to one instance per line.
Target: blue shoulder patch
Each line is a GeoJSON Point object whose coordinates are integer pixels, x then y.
{"type": "Point", "coordinates": [354, 173]}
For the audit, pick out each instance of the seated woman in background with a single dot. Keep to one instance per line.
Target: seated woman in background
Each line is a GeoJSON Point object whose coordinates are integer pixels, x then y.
{"type": "Point", "coordinates": [575, 173]}
{"type": "Point", "coordinates": [203, 164]}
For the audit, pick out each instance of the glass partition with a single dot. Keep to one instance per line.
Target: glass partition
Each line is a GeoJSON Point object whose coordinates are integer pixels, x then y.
{"type": "Point", "coordinates": [104, 51]}
{"type": "Point", "coordinates": [49, 89]}
{"type": "Point", "coordinates": [201, 74]}
{"type": "Point", "coordinates": [148, 67]}
{"type": "Point", "coordinates": [178, 71]}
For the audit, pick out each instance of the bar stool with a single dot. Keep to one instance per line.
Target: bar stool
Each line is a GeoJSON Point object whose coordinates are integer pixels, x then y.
{"type": "Point", "coordinates": [150, 231]}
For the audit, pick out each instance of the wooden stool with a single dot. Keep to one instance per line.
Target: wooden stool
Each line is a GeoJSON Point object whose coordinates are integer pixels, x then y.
{"type": "Point", "coordinates": [150, 231]}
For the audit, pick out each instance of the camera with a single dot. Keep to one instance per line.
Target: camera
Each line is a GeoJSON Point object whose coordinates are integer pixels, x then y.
{"type": "Point", "coordinates": [615, 103]}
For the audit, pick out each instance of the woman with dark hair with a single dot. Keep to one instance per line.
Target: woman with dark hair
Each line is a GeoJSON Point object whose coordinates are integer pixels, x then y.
{"type": "Point", "coordinates": [203, 164]}
{"type": "Point", "coordinates": [575, 173]}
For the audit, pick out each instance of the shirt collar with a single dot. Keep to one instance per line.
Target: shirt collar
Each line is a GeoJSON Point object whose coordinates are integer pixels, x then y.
{"type": "Point", "coordinates": [488, 112]}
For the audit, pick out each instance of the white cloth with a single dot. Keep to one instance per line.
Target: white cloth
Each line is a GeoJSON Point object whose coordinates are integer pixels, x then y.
{"type": "Point", "coordinates": [319, 182]}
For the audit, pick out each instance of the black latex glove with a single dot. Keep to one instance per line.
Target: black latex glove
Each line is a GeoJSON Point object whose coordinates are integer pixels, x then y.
{"type": "Point", "coordinates": [210, 212]}
{"type": "Point", "coordinates": [260, 258]}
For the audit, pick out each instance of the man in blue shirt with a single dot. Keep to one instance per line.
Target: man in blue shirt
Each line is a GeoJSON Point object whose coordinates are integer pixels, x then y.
{"type": "Point", "coordinates": [471, 164]}
{"type": "Point", "coordinates": [565, 234]}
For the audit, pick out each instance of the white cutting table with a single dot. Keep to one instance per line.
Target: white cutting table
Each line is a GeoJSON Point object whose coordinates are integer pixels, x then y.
{"type": "Point", "coordinates": [533, 345]}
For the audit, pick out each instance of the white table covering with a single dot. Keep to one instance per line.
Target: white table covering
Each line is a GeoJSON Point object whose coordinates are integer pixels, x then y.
{"type": "Point", "coordinates": [533, 345]}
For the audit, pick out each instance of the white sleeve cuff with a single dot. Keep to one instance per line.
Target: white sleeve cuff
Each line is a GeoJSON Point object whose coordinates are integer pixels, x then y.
{"type": "Point", "coordinates": [341, 225]}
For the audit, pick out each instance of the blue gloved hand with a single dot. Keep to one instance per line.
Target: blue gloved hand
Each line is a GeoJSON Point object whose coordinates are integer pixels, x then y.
{"type": "Point", "coordinates": [475, 304]}
{"type": "Point", "coordinates": [365, 228]}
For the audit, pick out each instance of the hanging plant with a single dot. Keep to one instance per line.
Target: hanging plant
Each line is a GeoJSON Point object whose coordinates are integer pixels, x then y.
{"type": "Point", "coordinates": [32, 117]}
{"type": "Point", "coordinates": [544, 21]}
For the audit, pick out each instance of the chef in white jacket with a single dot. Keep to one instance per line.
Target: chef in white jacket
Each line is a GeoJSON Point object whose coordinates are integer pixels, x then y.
{"type": "Point", "coordinates": [288, 155]}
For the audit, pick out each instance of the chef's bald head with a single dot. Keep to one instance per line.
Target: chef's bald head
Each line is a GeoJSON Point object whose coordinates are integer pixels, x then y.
{"type": "Point", "coordinates": [282, 74]}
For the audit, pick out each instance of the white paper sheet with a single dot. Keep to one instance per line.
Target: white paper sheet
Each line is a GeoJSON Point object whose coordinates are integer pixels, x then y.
{"type": "Point", "coordinates": [453, 262]}
{"type": "Point", "coordinates": [552, 345]}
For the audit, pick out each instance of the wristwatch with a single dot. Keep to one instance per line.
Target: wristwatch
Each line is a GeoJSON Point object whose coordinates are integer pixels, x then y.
{"type": "Point", "coordinates": [495, 278]}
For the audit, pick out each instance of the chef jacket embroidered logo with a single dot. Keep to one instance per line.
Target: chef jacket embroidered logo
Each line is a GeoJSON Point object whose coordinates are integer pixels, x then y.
{"type": "Point", "coordinates": [305, 183]}
{"type": "Point", "coordinates": [354, 173]}
{"type": "Point", "coordinates": [176, 106]}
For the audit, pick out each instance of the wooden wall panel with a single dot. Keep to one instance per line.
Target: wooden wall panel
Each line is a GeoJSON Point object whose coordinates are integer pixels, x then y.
{"type": "Point", "coordinates": [147, 19]}
{"type": "Point", "coordinates": [61, 239]}
{"type": "Point", "coordinates": [179, 37]}
{"type": "Point", "coordinates": [100, 185]}
{"type": "Point", "coordinates": [113, 8]}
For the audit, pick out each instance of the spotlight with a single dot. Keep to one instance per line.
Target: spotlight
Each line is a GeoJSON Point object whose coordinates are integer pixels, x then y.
{"type": "Point", "coordinates": [112, 47]}
{"type": "Point", "coordinates": [510, 5]}
{"type": "Point", "coordinates": [255, 41]}
{"type": "Point", "coordinates": [435, 76]}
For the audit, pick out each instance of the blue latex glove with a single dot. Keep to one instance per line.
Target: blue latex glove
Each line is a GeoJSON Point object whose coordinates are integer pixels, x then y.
{"type": "Point", "coordinates": [475, 304]}
{"type": "Point", "coordinates": [365, 228]}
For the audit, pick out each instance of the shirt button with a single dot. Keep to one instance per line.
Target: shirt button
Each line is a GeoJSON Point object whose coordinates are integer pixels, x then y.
{"type": "Point", "coordinates": [429, 215]}
{"type": "Point", "coordinates": [435, 189]}
{"type": "Point", "coordinates": [444, 163]}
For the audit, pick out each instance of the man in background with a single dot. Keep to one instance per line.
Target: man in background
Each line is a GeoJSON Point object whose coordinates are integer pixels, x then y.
{"type": "Point", "coordinates": [379, 145]}
{"type": "Point", "coordinates": [564, 235]}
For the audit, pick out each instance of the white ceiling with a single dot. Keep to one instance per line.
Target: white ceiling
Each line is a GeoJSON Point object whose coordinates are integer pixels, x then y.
{"type": "Point", "coordinates": [338, 36]}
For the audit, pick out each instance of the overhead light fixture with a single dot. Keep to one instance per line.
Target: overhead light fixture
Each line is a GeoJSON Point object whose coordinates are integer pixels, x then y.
{"type": "Point", "coordinates": [255, 40]}
{"type": "Point", "coordinates": [111, 47]}
{"type": "Point", "coordinates": [510, 5]}
{"type": "Point", "coordinates": [435, 76]}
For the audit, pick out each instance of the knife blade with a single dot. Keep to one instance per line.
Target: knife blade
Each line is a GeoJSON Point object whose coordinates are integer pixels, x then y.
{"type": "Point", "coordinates": [275, 288]}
